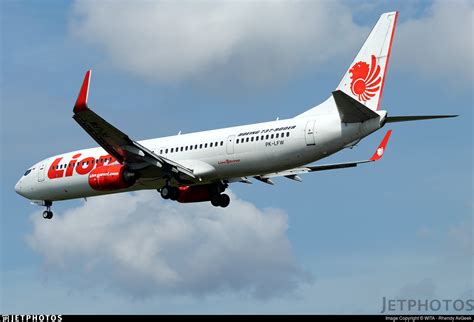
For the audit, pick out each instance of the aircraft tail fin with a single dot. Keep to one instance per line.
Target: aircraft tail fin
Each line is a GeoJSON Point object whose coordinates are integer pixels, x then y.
{"type": "Point", "coordinates": [364, 80]}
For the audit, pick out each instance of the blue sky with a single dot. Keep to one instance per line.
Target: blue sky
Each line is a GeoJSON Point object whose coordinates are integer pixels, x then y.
{"type": "Point", "coordinates": [336, 243]}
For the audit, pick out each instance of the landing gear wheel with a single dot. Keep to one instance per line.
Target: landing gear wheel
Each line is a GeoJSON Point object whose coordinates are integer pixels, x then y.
{"type": "Point", "coordinates": [165, 192]}
{"type": "Point", "coordinates": [174, 193]}
{"type": "Point", "coordinates": [224, 200]}
{"type": "Point", "coordinates": [47, 214]}
{"type": "Point", "coordinates": [168, 192]}
{"type": "Point", "coordinates": [215, 200]}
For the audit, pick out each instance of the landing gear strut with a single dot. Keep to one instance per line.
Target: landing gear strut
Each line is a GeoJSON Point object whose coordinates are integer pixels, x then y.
{"type": "Point", "coordinates": [48, 214]}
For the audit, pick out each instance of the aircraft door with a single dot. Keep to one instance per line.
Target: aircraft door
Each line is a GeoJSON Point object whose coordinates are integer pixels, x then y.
{"type": "Point", "coordinates": [41, 171]}
{"type": "Point", "coordinates": [230, 144]}
{"type": "Point", "coordinates": [310, 132]}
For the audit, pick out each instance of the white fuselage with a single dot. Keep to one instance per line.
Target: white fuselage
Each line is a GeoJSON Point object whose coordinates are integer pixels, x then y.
{"type": "Point", "coordinates": [216, 155]}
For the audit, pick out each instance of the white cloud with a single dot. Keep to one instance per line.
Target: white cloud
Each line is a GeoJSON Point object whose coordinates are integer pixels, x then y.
{"type": "Point", "coordinates": [259, 42]}
{"type": "Point", "coordinates": [254, 41]}
{"type": "Point", "coordinates": [143, 246]}
{"type": "Point", "coordinates": [439, 44]}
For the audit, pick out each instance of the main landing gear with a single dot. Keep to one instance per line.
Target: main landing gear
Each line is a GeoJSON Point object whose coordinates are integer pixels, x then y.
{"type": "Point", "coordinates": [48, 214]}
{"type": "Point", "coordinates": [220, 200]}
{"type": "Point", "coordinates": [198, 193]}
{"type": "Point", "coordinates": [169, 192]}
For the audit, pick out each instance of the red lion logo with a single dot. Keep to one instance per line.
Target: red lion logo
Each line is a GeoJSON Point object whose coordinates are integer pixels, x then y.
{"type": "Point", "coordinates": [365, 79]}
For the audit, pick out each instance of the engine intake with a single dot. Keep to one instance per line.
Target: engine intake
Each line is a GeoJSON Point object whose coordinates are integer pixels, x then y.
{"type": "Point", "coordinates": [112, 177]}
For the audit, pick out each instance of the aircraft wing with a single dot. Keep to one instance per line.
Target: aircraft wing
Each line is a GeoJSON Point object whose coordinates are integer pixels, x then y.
{"type": "Point", "coordinates": [120, 146]}
{"type": "Point", "coordinates": [293, 173]}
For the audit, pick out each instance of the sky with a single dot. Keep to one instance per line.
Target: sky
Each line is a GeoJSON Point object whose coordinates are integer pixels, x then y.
{"type": "Point", "coordinates": [338, 242]}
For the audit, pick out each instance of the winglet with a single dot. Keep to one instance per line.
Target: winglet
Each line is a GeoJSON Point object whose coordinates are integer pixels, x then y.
{"type": "Point", "coordinates": [81, 102]}
{"type": "Point", "coordinates": [381, 149]}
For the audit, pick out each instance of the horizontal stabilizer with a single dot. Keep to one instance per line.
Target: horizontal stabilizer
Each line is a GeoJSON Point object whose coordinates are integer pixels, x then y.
{"type": "Point", "coordinates": [351, 110]}
{"type": "Point", "coordinates": [393, 119]}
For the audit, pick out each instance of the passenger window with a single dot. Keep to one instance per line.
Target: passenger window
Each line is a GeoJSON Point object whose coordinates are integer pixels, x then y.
{"type": "Point", "coordinates": [287, 134]}
{"type": "Point", "coordinates": [251, 139]}
{"type": "Point", "coordinates": [200, 146]}
{"type": "Point", "coordinates": [181, 149]}
{"type": "Point", "coordinates": [277, 135]}
{"type": "Point", "coordinates": [237, 141]}
{"type": "Point", "coordinates": [215, 144]}
{"type": "Point", "coordinates": [210, 145]}
{"type": "Point", "coordinates": [190, 147]}
{"type": "Point", "coordinates": [166, 151]}
{"type": "Point", "coordinates": [205, 145]}
{"type": "Point", "coordinates": [222, 143]}
{"type": "Point", "coordinates": [172, 149]}
{"type": "Point", "coordinates": [272, 136]}
{"type": "Point", "coordinates": [256, 138]}
{"type": "Point", "coordinates": [267, 137]}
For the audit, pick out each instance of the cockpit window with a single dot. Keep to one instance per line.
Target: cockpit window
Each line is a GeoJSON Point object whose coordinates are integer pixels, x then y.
{"type": "Point", "coordinates": [27, 172]}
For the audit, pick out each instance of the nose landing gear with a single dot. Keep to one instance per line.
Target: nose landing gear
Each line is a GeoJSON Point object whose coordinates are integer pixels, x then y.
{"type": "Point", "coordinates": [48, 214]}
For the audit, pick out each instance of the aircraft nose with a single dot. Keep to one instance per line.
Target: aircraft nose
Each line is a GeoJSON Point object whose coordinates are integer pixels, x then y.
{"type": "Point", "coordinates": [18, 187]}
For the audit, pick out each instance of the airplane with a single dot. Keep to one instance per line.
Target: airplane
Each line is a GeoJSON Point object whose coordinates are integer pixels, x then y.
{"type": "Point", "coordinates": [199, 166]}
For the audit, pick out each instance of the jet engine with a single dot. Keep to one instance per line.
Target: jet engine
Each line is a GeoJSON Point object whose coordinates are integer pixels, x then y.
{"type": "Point", "coordinates": [112, 177]}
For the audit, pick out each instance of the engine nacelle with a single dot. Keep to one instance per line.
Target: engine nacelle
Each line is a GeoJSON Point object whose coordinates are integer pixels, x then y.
{"type": "Point", "coordinates": [111, 177]}
{"type": "Point", "coordinates": [195, 193]}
